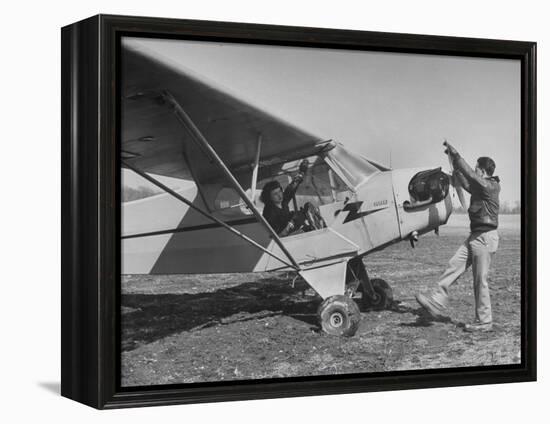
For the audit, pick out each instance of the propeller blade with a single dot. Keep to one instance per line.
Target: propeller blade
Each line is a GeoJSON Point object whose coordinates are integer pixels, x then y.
{"type": "Point", "coordinates": [455, 182]}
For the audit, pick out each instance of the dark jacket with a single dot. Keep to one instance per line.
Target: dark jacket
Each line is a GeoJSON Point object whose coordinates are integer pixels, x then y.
{"type": "Point", "coordinates": [484, 203]}
{"type": "Point", "coordinates": [279, 218]}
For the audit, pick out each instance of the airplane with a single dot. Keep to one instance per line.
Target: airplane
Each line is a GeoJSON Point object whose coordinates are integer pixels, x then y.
{"type": "Point", "coordinates": [175, 124]}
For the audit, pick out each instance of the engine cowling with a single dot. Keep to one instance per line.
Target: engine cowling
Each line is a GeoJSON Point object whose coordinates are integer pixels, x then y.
{"type": "Point", "coordinates": [429, 186]}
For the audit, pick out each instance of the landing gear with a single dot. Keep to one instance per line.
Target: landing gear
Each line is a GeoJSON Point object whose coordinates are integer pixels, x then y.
{"type": "Point", "coordinates": [381, 297]}
{"type": "Point", "coordinates": [376, 293]}
{"type": "Point", "coordinates": [339, 316]}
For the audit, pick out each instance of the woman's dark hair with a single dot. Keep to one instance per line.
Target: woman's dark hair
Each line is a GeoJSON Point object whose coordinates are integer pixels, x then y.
{"type": "Point", "coordinates": [265, 197]}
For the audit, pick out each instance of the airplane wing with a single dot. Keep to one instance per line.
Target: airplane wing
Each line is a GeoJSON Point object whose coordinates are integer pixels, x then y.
{"type": "Point", "coordinates": [155, 142]}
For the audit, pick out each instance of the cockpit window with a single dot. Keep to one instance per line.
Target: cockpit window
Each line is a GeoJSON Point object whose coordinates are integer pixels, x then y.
{"type": "Point", "coordinates": [331, 177]}
{"type": "Point", "coordinates": [354, 168]}
{"type": "Point", "coordinates": [321, 186]}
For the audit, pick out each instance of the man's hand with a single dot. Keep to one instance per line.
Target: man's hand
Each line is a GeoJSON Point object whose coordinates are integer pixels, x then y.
{"type": "Point", "coordinates": [450, 149]}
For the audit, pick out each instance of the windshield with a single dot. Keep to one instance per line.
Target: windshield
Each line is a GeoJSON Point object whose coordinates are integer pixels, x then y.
{"type": "Point", "coordinates": [350, 166]}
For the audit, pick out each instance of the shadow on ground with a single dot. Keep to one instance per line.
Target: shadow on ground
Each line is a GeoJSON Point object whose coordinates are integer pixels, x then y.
{"type": "Point", "coordinates": [147, 318]}
{"type": "Point", "coordinates": [423, 318]}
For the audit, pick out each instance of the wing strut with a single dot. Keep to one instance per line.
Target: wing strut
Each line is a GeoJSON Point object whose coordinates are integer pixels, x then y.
{"type": "Point", "coordinates": [255, 171]}
{"type": "Point", "coordinates": [188, 124]}
{"type": "Point", "coordinates": [206, 214]}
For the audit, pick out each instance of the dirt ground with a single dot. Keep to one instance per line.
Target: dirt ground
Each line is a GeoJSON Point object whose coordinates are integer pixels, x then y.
{"type": "Point", "coordinates": [188, 328]}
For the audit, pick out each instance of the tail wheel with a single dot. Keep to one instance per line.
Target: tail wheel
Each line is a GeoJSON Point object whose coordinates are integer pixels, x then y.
{"type": "Point", "coordinates": [383, 295]}
{"type": "Point", "coordinates": [339, 316]}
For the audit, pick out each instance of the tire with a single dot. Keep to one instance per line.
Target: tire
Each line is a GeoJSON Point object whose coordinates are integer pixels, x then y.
{"type": "Point", "coordinates": [384, 296]}
{"type": "Point", "coordinates": [339, 316]}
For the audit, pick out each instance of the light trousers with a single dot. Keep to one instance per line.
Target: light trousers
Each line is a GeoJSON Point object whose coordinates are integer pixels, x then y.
{"type": "Point", "coordinates": [477, 252]}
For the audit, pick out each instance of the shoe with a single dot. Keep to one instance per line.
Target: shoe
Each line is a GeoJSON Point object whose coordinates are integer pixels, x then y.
{"type": "Point", "coordinates": [432, 306]}
{"type": "Point", "coordinates": [478, 327]}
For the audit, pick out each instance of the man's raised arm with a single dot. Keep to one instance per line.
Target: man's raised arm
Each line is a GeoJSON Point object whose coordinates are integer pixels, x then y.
{"type": "Point", "coordinates": [464, 183]}
{"type": "Point", "coordinates": [462, 166]}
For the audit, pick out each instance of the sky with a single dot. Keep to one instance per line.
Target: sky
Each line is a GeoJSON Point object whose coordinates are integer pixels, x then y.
{"type": "Point", "coordinates": [394, 108]}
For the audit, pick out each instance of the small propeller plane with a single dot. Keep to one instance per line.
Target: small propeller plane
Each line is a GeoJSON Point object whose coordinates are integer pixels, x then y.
{"type": "Point", "coordinates": [174, 124]}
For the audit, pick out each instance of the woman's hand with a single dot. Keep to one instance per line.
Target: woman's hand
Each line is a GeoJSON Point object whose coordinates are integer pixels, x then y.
{"type": "Point", "coordinates": [298, 219]}
{"type": "Point", "coordinates": [304, 165]}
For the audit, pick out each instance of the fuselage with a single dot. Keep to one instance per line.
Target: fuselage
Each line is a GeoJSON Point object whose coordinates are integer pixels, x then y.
{"type": "Point", "coordinates": [161, 235]}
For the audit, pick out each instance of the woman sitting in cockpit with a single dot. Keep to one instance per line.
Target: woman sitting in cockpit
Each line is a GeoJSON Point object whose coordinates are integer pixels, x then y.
{"type": "Point", "coordinates": [276, 210]}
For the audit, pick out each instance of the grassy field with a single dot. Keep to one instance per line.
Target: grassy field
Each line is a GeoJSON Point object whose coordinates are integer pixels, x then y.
{"type": "Point", "coordinates": [188, 328]}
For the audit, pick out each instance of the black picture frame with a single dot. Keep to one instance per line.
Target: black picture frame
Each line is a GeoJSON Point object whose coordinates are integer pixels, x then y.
{"type": "Point", "coordinates": [91, 210]}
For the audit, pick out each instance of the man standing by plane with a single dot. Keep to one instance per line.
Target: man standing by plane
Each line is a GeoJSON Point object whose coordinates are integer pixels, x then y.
{"type": "Point", "coordinates": [478, 249]}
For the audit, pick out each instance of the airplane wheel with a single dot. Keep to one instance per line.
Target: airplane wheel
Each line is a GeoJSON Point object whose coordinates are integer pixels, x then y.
{"type": "Point", "coordinates": [383, 298]}
{"type": "Point", "coordinates": [339, 316]}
